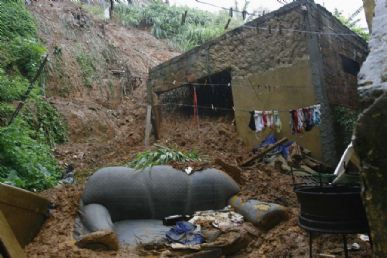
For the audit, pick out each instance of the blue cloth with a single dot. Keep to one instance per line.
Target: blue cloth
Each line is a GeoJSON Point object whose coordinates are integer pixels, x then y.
{"type": "Point", "coordinates": [184, 233]}
{"type": "Point", "coordinates": [283, 148]}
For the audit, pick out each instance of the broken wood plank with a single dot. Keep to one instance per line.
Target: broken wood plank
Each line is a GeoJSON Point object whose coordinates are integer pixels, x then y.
{"type": "Point", "coordinates": [263, 152]}
{"type": "Point", "coordinates": [148, 125]}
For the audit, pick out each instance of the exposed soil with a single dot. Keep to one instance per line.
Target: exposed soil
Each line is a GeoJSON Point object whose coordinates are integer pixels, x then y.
{"type": "Point", "coordinates": [106, 127]}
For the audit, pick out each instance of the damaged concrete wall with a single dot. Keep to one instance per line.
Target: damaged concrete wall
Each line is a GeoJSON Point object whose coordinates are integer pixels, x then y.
{"type": "Point", "coordinates": [371, 131]}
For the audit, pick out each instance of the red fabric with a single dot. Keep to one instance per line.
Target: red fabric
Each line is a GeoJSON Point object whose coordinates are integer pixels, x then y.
{"type": "Point", "coordinates": [195, 103]}
{"type": "Point", "coordinates": [264, 119]}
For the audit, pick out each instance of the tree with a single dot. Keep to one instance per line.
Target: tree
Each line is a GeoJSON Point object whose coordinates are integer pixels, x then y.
{"type": "Point", "coordinates": [352, 22]}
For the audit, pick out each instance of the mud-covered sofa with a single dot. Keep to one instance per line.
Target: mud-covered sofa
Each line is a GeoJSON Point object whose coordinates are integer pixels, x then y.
{"type": "Point", "coordinates": [133, 202]}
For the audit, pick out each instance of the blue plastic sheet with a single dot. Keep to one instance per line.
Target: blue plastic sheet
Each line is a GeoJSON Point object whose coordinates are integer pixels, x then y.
{"type": "Point", "coordinates": [283, 149]}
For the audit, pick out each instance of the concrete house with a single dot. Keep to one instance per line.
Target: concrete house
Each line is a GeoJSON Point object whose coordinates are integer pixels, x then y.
{"type": "Point", "coordinates": [296, 56]}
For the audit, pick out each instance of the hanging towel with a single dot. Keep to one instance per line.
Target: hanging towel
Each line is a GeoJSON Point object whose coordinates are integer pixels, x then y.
{"type": "Point", "coordinates": [258, 121]}
{"type": "Point", "coordinates": [277, 121]}
{"type": "Point", "coordinates": [252, 121]}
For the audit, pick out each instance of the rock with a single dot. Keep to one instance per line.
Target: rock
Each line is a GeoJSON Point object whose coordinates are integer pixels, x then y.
{"type": "Point", "coordinates": [99, 240]}
{"type": "Point", "coordinates": [211, 234]}
{"type": "Point", "coordinates": [261, 214]}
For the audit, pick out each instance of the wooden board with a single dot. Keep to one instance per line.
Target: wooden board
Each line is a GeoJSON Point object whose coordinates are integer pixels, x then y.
{"type": "Point", "coordinates": [24, 211]}
{"type": "Point", "coordinates": [9, 246]}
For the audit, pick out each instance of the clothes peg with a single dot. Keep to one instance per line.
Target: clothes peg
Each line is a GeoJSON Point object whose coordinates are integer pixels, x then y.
{"type": "Point", "coordinates": [244, 12]}
{"type": "Point", "coordinates": [231, 12]}
{"type": "Point", "coordinates": [227, 24]}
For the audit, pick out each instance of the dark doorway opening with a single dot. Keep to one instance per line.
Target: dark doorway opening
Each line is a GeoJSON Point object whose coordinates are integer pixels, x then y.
{"type": "Point", "coordinates": [213, 94]}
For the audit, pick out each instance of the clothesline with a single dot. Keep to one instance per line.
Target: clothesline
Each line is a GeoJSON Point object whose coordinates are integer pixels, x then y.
{"type": "Point", "coordinates": [283, 29]}
{"type": "Point", "coordinates": [220, 108]}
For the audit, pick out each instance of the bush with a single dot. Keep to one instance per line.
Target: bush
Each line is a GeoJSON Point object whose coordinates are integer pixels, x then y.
{"type": "Point", "coordinates": [87, 67]}
{"type": "Point", "coordinates": [26, 162]}
{"type": "Point", "coordinates": [26, 158]}
{"type": "Point", "coordinates": [345, 120]}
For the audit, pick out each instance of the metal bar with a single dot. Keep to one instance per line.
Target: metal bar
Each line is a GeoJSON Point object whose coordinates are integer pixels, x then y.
{"type": "Point", "coordinates": [345, 246]}
{"type": "Point", "coordinates": [310, 244]}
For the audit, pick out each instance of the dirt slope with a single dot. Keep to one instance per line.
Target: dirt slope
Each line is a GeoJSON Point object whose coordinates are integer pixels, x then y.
{"type": "Point", "coordinates": [96, 78]}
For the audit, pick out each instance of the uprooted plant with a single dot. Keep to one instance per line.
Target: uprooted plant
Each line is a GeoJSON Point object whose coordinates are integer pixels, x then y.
{"type": "Point", "coordinates": [160, 156]}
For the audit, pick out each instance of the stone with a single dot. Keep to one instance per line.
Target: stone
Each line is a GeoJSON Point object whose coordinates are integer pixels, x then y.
{"type": "Point", "coordinates": [99, 240]}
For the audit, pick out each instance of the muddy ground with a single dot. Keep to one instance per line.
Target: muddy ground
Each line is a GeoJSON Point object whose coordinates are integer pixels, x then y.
{"type": "Point", "coordinates": [106, 127]}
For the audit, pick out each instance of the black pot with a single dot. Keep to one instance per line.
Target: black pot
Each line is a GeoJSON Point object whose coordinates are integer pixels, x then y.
{"type": "Point", "coordinates": [332, 209]}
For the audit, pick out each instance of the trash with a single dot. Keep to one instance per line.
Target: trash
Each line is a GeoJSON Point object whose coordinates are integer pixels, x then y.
{"type": "Point", "coordinates": [223, 219]}
{"type": "Point", "coordinates": [354, 247]}
{"type": "Point", "coordinates": [261, 214]}
{"type": "Point", "coordinates": [185, 233]}
{"type": "Point", "coordinates": [171, 220]}
{"type": "Point", "coordinates": [68, 177]}
{"type": "Point", "coordinates": [181, 246]}
{"type": "Point", "coordinates": [364, 237]}
{"type": "Point", "coordinates": [188, 170]}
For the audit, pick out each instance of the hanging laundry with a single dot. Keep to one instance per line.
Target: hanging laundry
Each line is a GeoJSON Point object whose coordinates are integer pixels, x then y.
{"type": "Point", "coordinates": [264, 119]}
{"type": "Point", "coordinates": [277, 121]}
{"type": "Point", "coordinates": [252, 122]}
{"type": "Point", "coordinates": [258, 121]}
{"type": "Point", "coordinates": [304, 119]}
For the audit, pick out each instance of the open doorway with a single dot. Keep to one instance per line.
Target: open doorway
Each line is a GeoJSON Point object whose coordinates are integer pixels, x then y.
{"type": "Point", "coordinates": [213, 94]}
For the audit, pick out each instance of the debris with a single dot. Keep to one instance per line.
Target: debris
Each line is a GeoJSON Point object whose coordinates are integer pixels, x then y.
{"type": "Point", "coordinates": [182, 246]}
{"type": "Point", "coordinates": [364, 237]}
{"type": "Point", "coordinates": [262, 153]}
{"type": "Point", "coordinates": [99, 240]}
{"type": "Point", "coordinates": [188, 170]}
{"type": "Point", "coordinates": [185, 233]}
{"type": "Point", "coordinates": [222, 219]}
{"type": "Point", "coordinates": [261, 214]}
{"type": "Point", "coordinates": [354, 247]}
{"type": "Point", "coordinates": [234, 171]}
{"type": "Point", "coordinates": [171, 220]}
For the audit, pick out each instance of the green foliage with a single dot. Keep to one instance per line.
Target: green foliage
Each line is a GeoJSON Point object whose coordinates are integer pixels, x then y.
{"type": "Point", "coordinates": [161, 156]}
{"type": "Point", "coordinates": [24, 56]}
{"type": "Point", "coordinates": [6, 111]}
{"type": "Point", "coordinates": [26, 158]}
{"type": "Point", "coordinates": [345, 119]}
{"type": "Point", "coordinates": [87, 67]}
{"type": "Point", "coordinates": [44, 119]}
{"type": "Point", "coordinates": [166, 23]}
{"type": "Point", "coordinates": [352, 23]}
{"type": "Point", "coordinates": [26, 162]}
{"type": "Point", "coordinates": [11, 87]}
{"type": "Point", "coordinates": [15, 21]}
